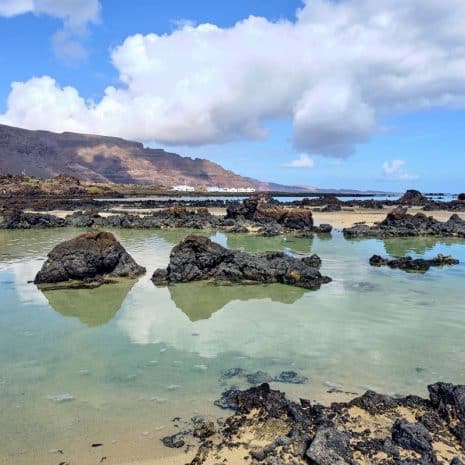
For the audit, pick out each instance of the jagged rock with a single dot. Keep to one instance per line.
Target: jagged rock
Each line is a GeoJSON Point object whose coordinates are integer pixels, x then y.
{"type": "Point", "coordinates": [411, 264]}
{"type": "Point", "coordinates": [228, 399]}
{"type": "Point", "coordinates": [323, 228]}
{"type": "Point", "coordinates": [11, 218]}
{"type": "Point", "coordinates": [373, 402]}
{"type": "Point", "coordinates": [413, 197]}
{"type": "Point", "coordinates": [304, 432]}
{"type": "Point", "coordinates": [247, 208]}
{"type": "Point", "coordinates": [399, 223]}
{"type": "Point", "coordinates": [172, 217]}
{"type": "Point", "coordinates": [461, 197]}
{"type": "Point", "coordinates": [413, 436]}
{"type": "Point", "coordinates": [88, 256]}
{"type": "Point", "coordinates": [204, 429]}
{"type": "Point", "coordinates": [270, 230]}
{"type": "Point", "coordinates": [313, 260]}
{"type": "Point", "coordinates": [85, 219]}
{"type": "Point", "coordinates": [332, 208]}
{"type": "Point", "coordinates": [198, 258]}
{"type": "Point", "coordinates": [261, 210]}
{"type": "Point", "coordinates": [448, 399]}
{"type": "Point", "coordinates": [329, 447]}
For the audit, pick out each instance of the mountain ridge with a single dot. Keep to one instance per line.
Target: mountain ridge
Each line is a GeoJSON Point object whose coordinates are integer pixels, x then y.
{"type": "Point", "coordinates": [94, 158]}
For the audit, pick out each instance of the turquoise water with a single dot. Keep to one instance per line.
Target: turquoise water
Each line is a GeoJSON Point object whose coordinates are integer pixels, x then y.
{"type": "Point", "coordinates": [114, 365]}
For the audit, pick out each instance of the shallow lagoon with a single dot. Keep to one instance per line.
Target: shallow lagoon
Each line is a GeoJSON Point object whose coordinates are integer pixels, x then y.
{"type": "Point", "coordinates": [114, 365]}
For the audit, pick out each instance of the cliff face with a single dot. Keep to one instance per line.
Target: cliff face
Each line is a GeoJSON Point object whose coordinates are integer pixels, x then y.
{"type": "Point", "coordinates": [108, 159]}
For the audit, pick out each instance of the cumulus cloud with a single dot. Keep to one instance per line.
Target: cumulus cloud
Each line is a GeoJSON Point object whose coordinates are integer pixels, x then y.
{"type": "Point", "coordinates": [304, 161]}
{"type": "Point", "coordinates": [335, 72]}
{"type": "Point", "coordinates": [394, 170]}
{"type": "Point", "coordinates": [76, 15]}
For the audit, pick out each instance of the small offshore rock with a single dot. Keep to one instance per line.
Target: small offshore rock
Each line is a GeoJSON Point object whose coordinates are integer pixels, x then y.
{"type": "Point", "coordinates": [174, 441]}
{"type": "Point", "coordinates": [88, 256]}
{"type": "Point", "coordinates": [411, 264]}
{"type": "Point", "coordinates": [258, 377]}
{"type": "Point", "coordinates": [290, 377]}
{"type": "Point", "coordinates": [233, 372]}
{"type": "Point", "coordinates": [198, 258]}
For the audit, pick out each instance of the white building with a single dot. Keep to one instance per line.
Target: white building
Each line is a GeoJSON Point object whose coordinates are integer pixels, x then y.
{"type": "Point", "coordinates": [230, 189]}
{"type": "Point", "coordinates": [182, 188]}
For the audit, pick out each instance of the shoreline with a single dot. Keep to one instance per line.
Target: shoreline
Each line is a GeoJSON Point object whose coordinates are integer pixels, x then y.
{"type": "Point", "coordinates": [338, 219]}
{"type": "Point", "coordinates": [371, 429]}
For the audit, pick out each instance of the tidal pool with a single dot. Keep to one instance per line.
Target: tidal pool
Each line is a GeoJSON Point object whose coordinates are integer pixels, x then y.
{"type": "Point", "coordinates": [114, 365]}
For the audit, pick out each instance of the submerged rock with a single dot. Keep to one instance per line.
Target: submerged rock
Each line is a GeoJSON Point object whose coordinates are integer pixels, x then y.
{"type": "Point", "coordinates": [173, 442]}
{"type": "Point", "coordinates": [198, 258]}
{"type": "Point", "coordinates": [290, 377]}
{"type": "Point", "coordinates": [93, 255]}
{"type": "Point", "coordinates": [413, 264]}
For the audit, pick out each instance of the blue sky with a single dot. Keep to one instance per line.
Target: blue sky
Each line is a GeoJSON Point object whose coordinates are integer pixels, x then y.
{"type": "Point", "coordinates": [385, 139]}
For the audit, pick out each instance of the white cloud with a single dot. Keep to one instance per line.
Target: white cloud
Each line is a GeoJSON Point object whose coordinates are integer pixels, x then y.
{"type": "Point", "coordinates": [335, 72]}
{"type": "Point", "coordinates": [76, 15]}
{"type": "Point", "coordinates": [304, 161]}
{"type": "Point", "coordinates": [394, 170]}
{"type": "Point", "coordinates": [11, 8]}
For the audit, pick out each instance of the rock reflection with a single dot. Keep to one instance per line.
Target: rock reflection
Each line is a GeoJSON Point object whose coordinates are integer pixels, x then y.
{"type": "Point", "coordinates": [199, 300]}
{"type": "Point", "coordinates": [253, 243]}
{"type": "Point", "coordinates": [399, 247]}
{"type": "Point", "coordinates": [93, 307]}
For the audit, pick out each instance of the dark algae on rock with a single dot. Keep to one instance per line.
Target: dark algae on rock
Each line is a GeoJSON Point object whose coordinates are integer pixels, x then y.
{"type": "Point", "coordinates": [90, 256]}
{"type": "Point", "coordinates": [374, 429]}
{"type": "Point", "coordinates": [198, 258]}
{"type": "Point", "coordinates": [413, 264]}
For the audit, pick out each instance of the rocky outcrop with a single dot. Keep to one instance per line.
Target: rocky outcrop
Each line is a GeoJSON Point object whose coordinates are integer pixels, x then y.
{"type": "Point", "coordinates": [461, 197]}
{"type": "Point", "coordinates": [413, 264]}
{"type": "Point", "coordinates": [174, 217]}
{"type": "Point", "coordinates": [399, 223]}
{"type": "Point", "coordinates": [372, 429]}
{"type": "Point", "coordinates": [90, 256]}
{"type": "Point", "coordinates": [18, 219]}
{"type": "Point", "coordinates": [198, 258]}
{"type": "Point", "coordinates": [273, 218]}
{"type": "Point", "coordinates": [413, 197]}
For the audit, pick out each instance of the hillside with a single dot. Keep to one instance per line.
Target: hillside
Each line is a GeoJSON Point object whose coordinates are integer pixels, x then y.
{"type": "Point", "coordinates": [110, 159]}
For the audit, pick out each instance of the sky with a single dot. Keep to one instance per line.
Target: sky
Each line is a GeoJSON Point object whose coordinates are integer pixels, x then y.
{"type": "Point", "coordinates": [326, 93]}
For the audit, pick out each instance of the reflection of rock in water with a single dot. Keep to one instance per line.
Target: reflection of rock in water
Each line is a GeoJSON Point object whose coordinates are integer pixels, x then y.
{"type": "Point", "coordinates": [93, 307]}
{"type": "Point", "coordinates": [252, 243]}
{"type": "Point", "coordinates": [399, 247]}
{"type": "Point", "coordinates": [199, 300]}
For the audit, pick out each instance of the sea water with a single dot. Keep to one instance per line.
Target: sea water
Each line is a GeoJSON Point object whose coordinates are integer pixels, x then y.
{"type": "Point", "coordinates": [114, 365]}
